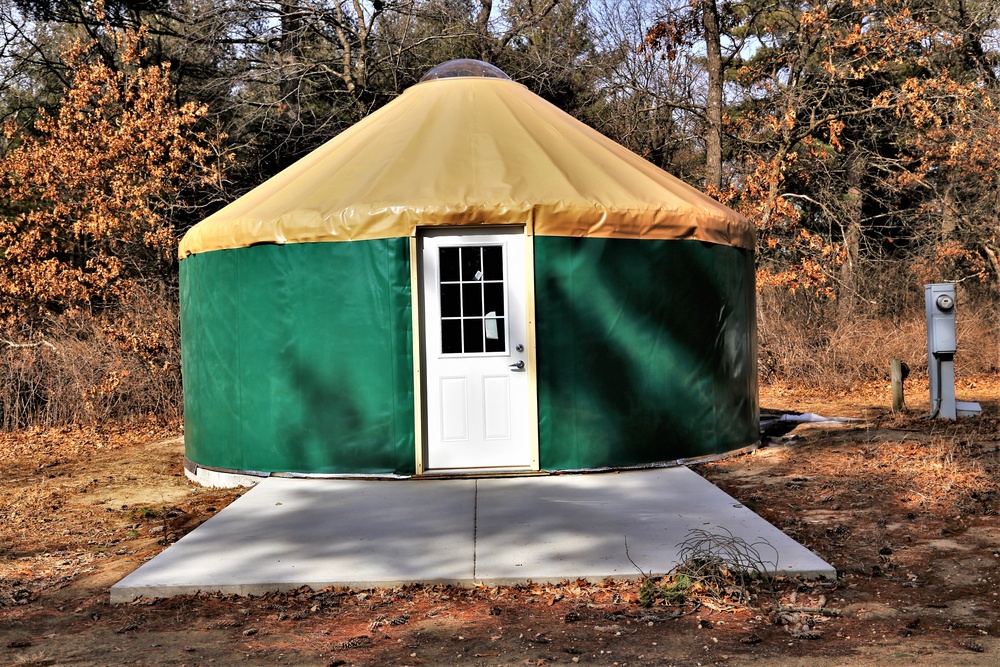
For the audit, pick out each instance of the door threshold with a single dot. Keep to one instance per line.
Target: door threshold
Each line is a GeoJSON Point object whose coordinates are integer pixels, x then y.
{"type": "Point", "coordinates": [479, 474]}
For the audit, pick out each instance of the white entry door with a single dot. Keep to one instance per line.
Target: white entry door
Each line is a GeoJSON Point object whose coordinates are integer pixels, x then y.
{"type": "Point", "coordinates": [476, 380]}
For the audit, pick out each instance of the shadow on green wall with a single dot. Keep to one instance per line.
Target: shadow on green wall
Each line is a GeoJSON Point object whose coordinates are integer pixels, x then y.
{"type": "Point", "coordinates": [646, 351]}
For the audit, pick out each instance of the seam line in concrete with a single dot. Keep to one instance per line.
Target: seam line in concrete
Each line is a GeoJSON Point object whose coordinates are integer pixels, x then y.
{"type": "Point", "coordinates": [475, 527]}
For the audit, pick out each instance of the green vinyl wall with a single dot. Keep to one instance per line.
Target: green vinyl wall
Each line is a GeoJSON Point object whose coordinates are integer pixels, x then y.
{"type": "Point", "coordinates": [646, 351]}
{"type": "Point", "coordinates": [299, 358]}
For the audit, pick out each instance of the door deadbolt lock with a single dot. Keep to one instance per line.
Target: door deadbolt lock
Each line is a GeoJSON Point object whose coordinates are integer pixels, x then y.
{"type": "Point", "coordinates": [519, 347]}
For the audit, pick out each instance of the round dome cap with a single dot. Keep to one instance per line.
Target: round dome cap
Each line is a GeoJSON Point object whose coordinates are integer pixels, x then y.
{"type": "Point", "coordinates": [464, 67]}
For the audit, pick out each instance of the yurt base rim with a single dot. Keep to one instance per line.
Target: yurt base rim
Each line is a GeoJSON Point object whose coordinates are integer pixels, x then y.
{"type": "Point", "coordinates": [227, 478]}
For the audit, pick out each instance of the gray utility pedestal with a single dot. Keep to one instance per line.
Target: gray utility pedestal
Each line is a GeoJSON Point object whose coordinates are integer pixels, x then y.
{"type": "Point", "coordinates": [940, 301]}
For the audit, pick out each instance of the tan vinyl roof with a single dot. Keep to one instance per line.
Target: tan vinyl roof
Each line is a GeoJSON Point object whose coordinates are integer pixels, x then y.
{"type": "Point", "coordinates": [468, 151]}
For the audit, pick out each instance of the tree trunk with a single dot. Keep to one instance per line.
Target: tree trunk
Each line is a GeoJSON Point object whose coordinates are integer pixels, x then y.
{"type": "Point", "coordinates": [713, 105]}
{"type": "Point", "coordinates": [991, 253]}
{"type": "Point", "coordinates": [289, 55]}
{"type": "Point", "coordinates": [852, 242]}
{"type": "Point", "coordinates": [483, 18]}
{"type": "Point", "coordinates": [849, 267]}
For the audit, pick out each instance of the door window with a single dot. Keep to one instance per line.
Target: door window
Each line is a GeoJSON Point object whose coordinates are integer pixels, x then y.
{"type": "Point", "coordinates": [473, 300]}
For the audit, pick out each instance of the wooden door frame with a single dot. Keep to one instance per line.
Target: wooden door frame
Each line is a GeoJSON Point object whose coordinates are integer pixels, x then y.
{"type": "Point", "coordinates": [419, 361]}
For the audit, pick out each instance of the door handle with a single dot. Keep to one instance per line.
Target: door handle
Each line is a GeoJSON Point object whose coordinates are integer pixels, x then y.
{"type": "Point", "coordinates": [518, 366]}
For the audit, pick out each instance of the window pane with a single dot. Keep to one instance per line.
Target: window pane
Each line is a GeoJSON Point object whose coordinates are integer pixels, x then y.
{"type": "Point", "coordinates": [451, 301]}
{"type": "Point", "coordinates": [493, 300]}
{"type": "Point", "coordinates": [493, 262]}
{"type": "Point", "coordinates": [500, 343]}
{"type": "Point", "coordinates": [449, 264]}
{"type": "Point", "coordinates": [451, 336]}
{"type": "Point", "coordinates": [472, 299]}
{"type": "Point", "coordinates": [473, 335]}
{"type": "Point", "coordinates": [472, 263]}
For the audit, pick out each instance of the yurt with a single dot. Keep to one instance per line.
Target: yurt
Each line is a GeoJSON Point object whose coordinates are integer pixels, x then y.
{"type": "Point", "coordinates": [469, 281]}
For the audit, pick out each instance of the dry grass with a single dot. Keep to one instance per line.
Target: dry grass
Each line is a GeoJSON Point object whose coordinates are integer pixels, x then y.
{"type": "Point", "coordinates": [82, 368]}
{"type": "Point", "coordinates": [804, 341]}
{"type": "Point", "coordinates": [942, 473]}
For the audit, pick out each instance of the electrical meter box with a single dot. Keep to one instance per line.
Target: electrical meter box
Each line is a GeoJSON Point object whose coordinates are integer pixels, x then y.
{"type": "Point", "coordinates": [940, 300]}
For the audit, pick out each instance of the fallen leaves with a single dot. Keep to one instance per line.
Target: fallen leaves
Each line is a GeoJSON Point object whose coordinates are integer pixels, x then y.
{"type": "Point", "coordinates": [390, 621]}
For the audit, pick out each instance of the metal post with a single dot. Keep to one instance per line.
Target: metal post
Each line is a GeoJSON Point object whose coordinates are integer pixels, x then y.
{"type": "Point", "coordinates": [898, 402]}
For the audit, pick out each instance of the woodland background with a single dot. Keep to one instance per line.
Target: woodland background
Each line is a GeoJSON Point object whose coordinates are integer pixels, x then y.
{"type": "Point", "coordinates": [862, 138]}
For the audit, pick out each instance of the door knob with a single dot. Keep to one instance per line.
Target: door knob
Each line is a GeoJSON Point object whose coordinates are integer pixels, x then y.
{"type": "Point", "coordinates": [518, 366]}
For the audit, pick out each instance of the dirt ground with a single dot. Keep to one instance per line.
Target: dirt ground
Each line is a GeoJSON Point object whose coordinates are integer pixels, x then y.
{"type": "Point", "coordinates": [905, 509]}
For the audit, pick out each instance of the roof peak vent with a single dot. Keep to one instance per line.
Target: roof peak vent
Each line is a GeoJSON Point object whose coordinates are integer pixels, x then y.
{"type": "Point", "coordinates": [465, 67]}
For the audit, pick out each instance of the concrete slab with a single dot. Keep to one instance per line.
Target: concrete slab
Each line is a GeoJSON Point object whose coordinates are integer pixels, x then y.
{"type": "Point", "coordinates": [579, 525]}
{"type": "Point", "coordinates": [287, 533]}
